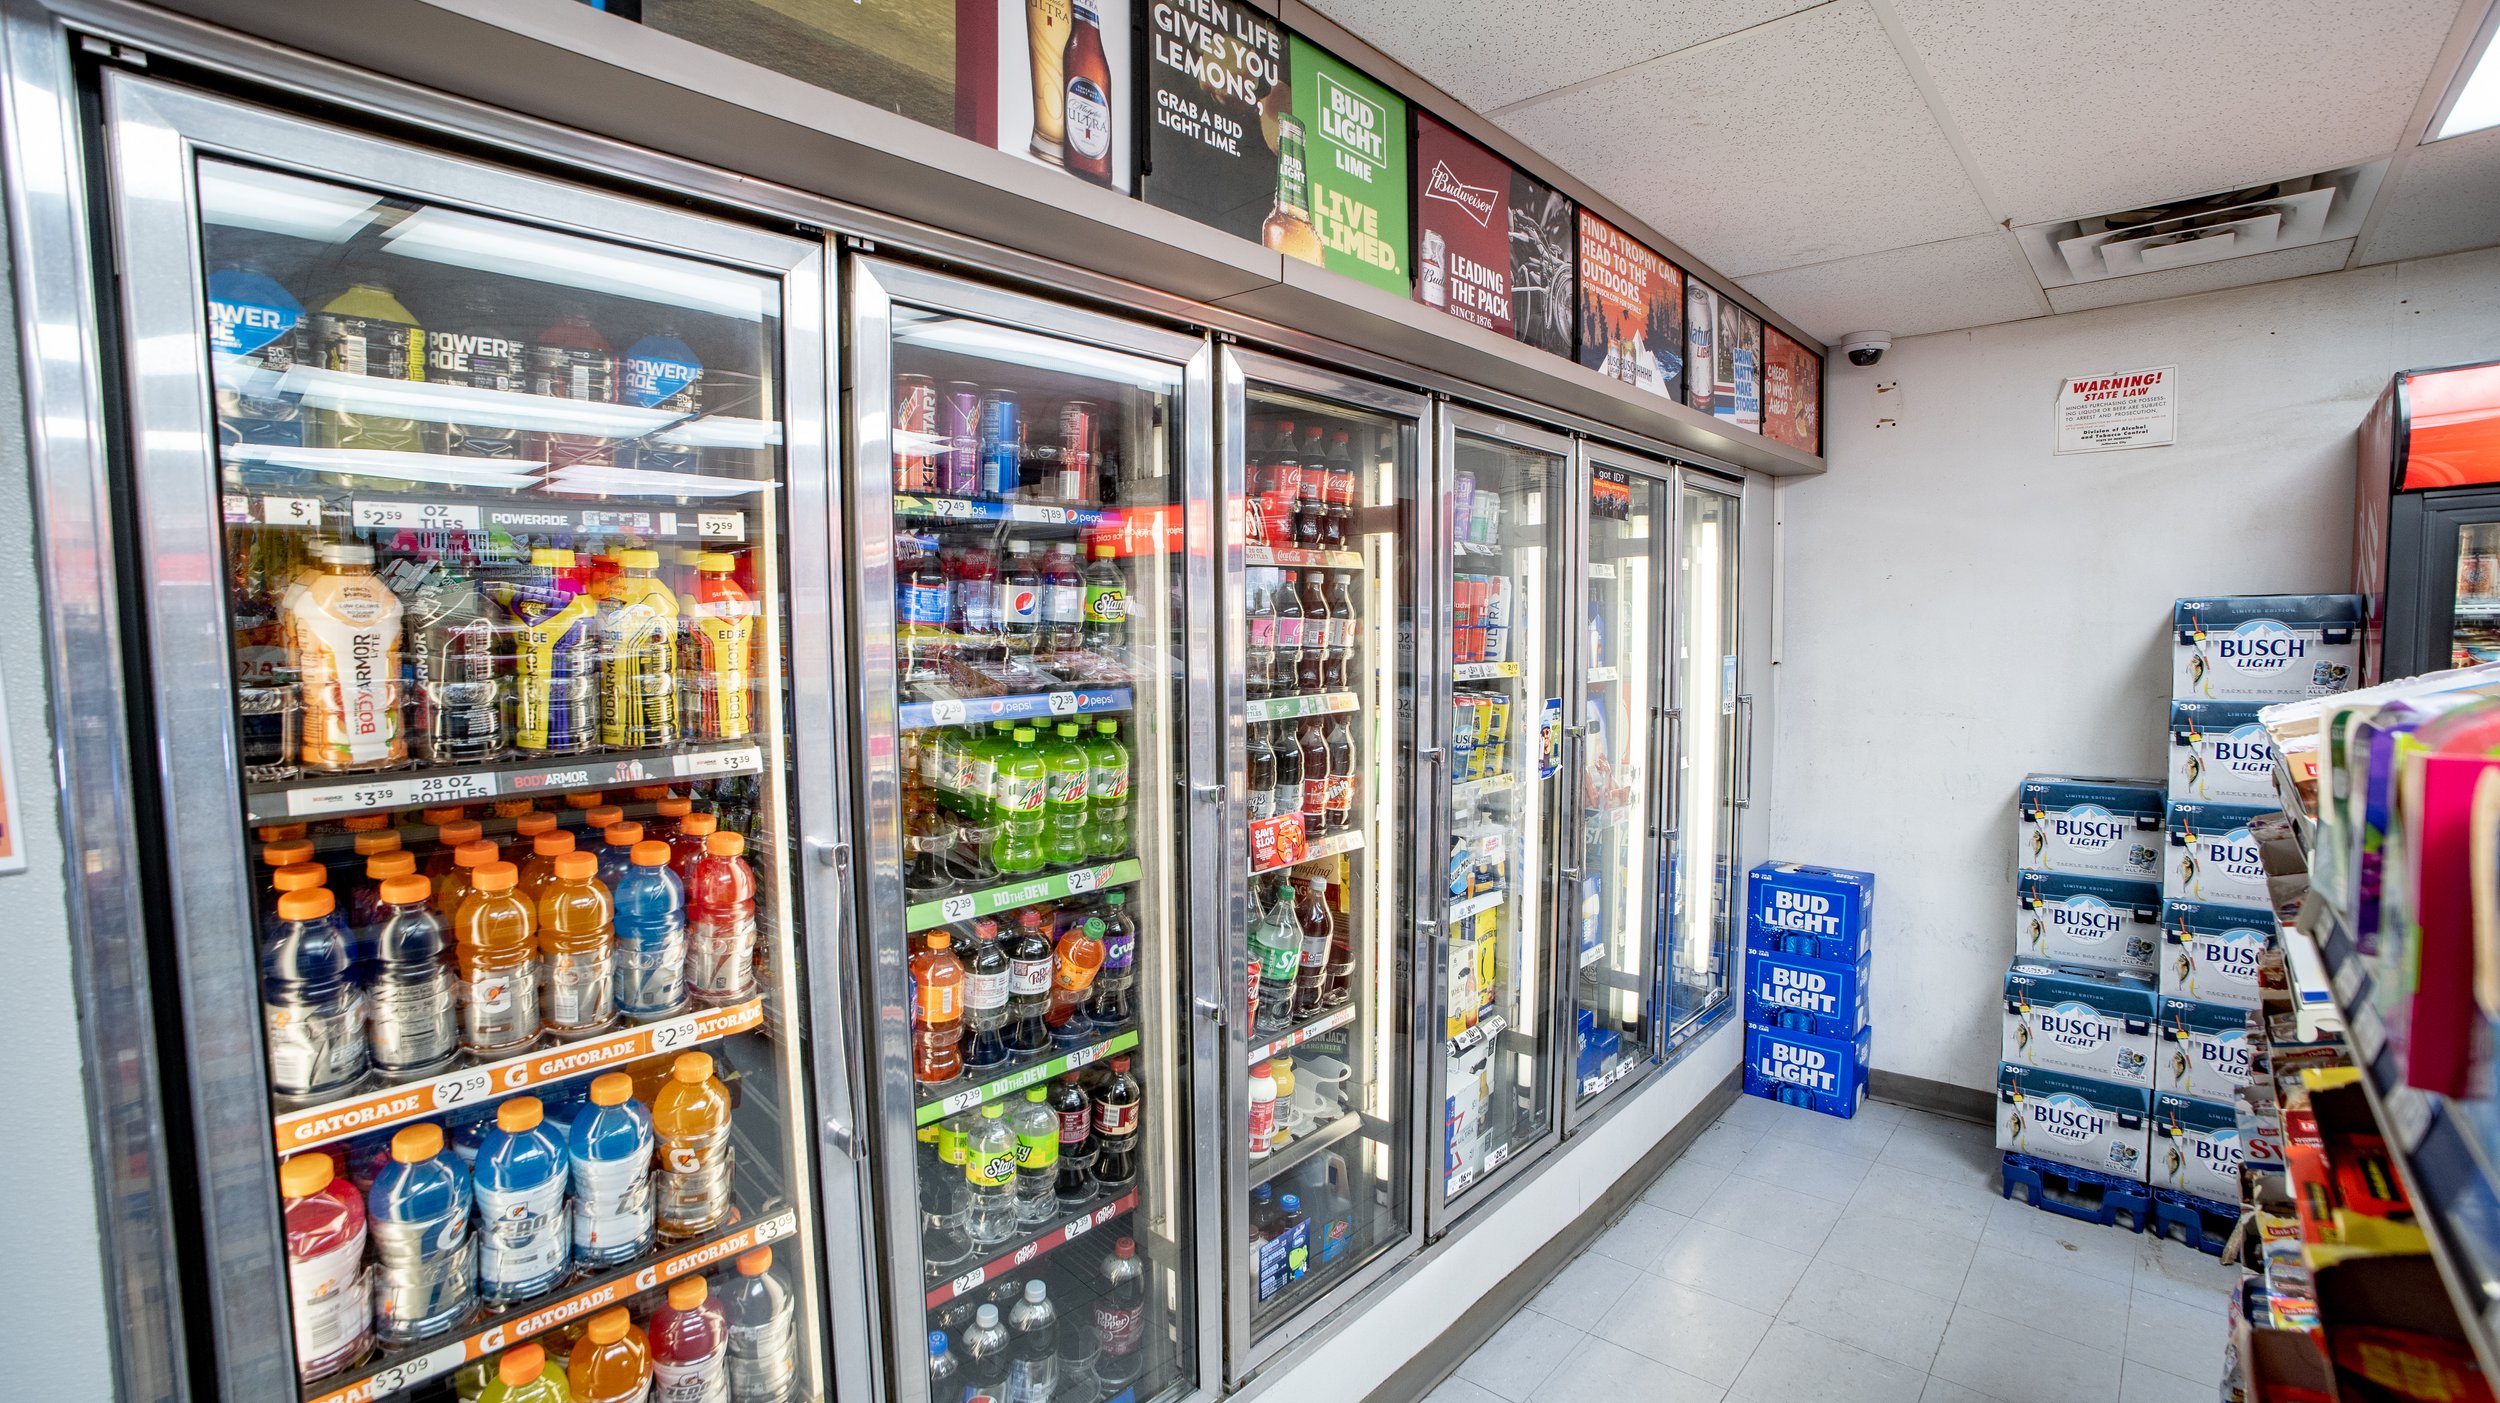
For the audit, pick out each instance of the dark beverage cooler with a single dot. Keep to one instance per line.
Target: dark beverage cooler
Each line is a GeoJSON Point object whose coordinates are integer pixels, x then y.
{"type": "Point", "coordinates": [2426, 523]}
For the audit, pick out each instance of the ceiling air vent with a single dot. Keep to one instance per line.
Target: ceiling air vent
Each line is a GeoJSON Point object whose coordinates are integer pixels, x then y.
{"type": "Point", "coordinates": [2281, 214]}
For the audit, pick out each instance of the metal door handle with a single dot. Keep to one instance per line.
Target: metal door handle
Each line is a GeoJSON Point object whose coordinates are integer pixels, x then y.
{"type": "Point", "coordinates": [1211, 1010]}
{"type": "Point", "coordinates": [1744, 737]}
{"type": "Point", "coordinates": [1429, 754]}
{"type": "Point", "coordinates": [840, 1138]}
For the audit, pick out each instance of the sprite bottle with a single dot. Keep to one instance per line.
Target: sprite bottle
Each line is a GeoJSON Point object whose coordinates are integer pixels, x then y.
{"type": "Point", "coordinates": [1106, 792]}
{"type": "Point", "coordinates": [1018, 795]}
{"type": "Point", "coordinates": [1065, 830]}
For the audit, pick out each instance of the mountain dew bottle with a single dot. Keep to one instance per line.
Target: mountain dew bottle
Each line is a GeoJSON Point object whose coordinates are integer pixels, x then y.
{"type": "Point", "coordinates": [1017, 796]}
{"type": "Point", "coordinates": [1065, 830]}
{"type": "Point", "coordinates": [1106, 787]}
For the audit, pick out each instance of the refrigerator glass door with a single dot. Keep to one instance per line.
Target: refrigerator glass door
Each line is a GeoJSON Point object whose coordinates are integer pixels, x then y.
{"type": "Point", "coordinates": [1712, 714]}
{"type": "Point", "coordinates": [1322, 1111]}
{"type": "Point", "coordinates": [1039, 492]}
{"type": "Point", "coordinates": [1616, 906]}
{"type": "Point", "coordinates": [472, 541]}
{"type": "Point", "coordinates": [1502, 848]}
{"type": "Point", "coordinates": [2475, 636]}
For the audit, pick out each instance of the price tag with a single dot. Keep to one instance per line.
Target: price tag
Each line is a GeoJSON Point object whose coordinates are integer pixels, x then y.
{"type": "Point", "coordinates": [957, 908]}
{"type": "Point", "coordinates": [675, 1033]}
{"type": "Point", "coordinates": [237, 508]}
{"type": "Point", "coordinates": [962, 1101]}
{"type": "Point", "coordinates": [383, 794]}
{"type": "Point", "coordinates": [2409, 1110]}
{"type": "Point", "coordinates": [413, 516]}
{"type": "Point", "coordinates": [970, 1280]}
{"type": "Point", "coordinates": [721, 526]}
{"type": "Point", "coordinates": [1053, 516]}
{"type": "Point", "coordinates": [291, 511]}
{"type": "Point", "coordinates": [1077, 1229]}
{"type": "Point", "coordinates": [776, 1227]}
{"type": "Point", "coordinates": [1084, 879]}
{"type": "Point", "coordinates": [462, 1088]}
{"type": "Point", "coordinates": [1083, 1057]}
{"type": "Point", "coordinates": [1494, 1160]}
{"type": "Point", "coordinates": [946, 713]}
{"type": "Point", "coordinates": [950, 506]}
{"type": "Point", "coordinates": [1063, 703]}
{"type": "Point", "coordinates": [719, 762]}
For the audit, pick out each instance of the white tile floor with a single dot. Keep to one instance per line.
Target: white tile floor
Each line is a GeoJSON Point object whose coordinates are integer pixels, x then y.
{"type": "Point", "coordinates": [1792, 1258]}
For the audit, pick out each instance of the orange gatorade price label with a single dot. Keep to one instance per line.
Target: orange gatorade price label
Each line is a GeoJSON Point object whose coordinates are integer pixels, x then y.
{"type": "Point", "coordinates": [504, 1334]}
{"type": "Point", "coordinates": [321, 1124]}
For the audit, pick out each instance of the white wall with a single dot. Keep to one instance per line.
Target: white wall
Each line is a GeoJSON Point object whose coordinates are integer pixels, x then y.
{"type": "Point", "coordinates": [1960, 606]}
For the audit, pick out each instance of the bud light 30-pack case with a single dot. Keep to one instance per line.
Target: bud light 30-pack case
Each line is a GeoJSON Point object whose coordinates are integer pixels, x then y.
{"type": "Point", "coordinates": [2090, 1022]}
{"type": "Point", "coordinates": [2220, 754]}
{"type": "Point", "coordinates": [2097, 922]}
{"type": "Point", "coordinates": [2086, 826]}
{"type": "Point", "coordinates": [1801, 995]}
{"type": "Point", "coordinates": [1824, 913]}
{"type": "Point", "coordinates": [2082, 1121]}
{"type": "Point", "coordinates": [2264, 647]}
{"type": "Point", "coordinates": [1800, 1069]}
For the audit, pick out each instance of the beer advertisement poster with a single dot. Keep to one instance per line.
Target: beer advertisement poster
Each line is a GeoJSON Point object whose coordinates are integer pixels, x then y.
{"type": "Point", "coordinates": [1701, 334]}
{"type": "Point", "coordinates": [1631, 305]}
{"type": "Point", "coordinates": [1215, 74]}
{"type": "Point", "coordinates": [1544, 283]}
{"type": "Point", "coordinates": [1792, 392]}
{"type": "Point", "coordinates": [1051, 81]}
{"type": "Point", "coordinates": [899, 55]}
{"type": "Point", "coordinates": [1737, 393]}
{"type": "Point", "coordinates": [1356, 130]}
{"type": "Point", "coordinates": [1462, 226]}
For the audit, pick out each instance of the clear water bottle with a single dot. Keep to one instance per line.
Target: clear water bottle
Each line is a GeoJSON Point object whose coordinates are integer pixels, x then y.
{"type": "Point", "coordinates": [1033, 1347]}
{"type": "Point", "coordinates": [989, 1175]}
{"type": "Point", "coordinates": [985, 1355]}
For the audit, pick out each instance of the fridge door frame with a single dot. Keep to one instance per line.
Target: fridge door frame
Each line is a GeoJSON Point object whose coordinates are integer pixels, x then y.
{"type": "Point", "coordinates": [1442, 1213]}
{"type": "Point", "coordinates": [1739, 762]}
{"type": "Point", "coordinates": [155, 130]}
{"type": "Point", "coordinates": [874, 286]}
{"type": "Point", "coordinates": [1579, 1113]}
{"type": "Point", "coordinates": [1237, 369]}
{"type": "Point", "coordinates": [2423, 537]}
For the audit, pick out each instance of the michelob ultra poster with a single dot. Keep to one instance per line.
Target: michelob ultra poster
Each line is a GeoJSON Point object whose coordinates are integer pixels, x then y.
{"type": "Point", "coordinates": [1049, 80]}
{"type": "Point", "coordinates": [1792, 392]}
{"type": "Point", "coordinates": [1631, 309]}
{"type": "Point", "coordinates": [1356, 134]}
{"type": "Point", "coordinates": [1219, 116]}
{"type": "Point", "coordinates": [1462, 226]}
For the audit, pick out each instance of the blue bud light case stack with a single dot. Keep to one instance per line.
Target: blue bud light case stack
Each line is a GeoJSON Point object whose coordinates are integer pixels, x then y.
{"type": "Point", "coordinates": [1808, 955]}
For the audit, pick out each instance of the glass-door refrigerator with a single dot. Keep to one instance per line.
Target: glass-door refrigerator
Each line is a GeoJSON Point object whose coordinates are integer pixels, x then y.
{"type": "Point", "coordinates": [1321, 583]}
{"type": "Point", "coordinates": [1709, 752]}
{"type": "Point", "coordinates": [1498, 732]}
{"type": "Point", "coordinates": [1614, 912]}
{"type": "Point", "coordinates": [479, 524]}
{"type": "Point", "coordinates": [1035, 596]}
{"type": "Point", "coordinates": [2426, 523]}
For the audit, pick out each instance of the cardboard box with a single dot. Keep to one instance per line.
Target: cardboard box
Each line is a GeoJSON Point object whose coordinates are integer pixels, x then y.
{"type": "Point", "coordinates": [2095, 922]}
{"type": "Point", "coordinates": [2196, 1148]}
{"type": "Point", "coordinates": [2092, 1023]}
{"type": "Point", "coordinates": [2219, 754]}
{"type": "Point", "coordinates": [1826, 913]}
{"type": "Point", "coordinates": [1803, 995]}
{"type": "Point", "coordinates": [2084, 826]}
{"type": "Point", "coordinates": [2264, 647]}
{"type": "Point", "coordinates": [2210, 953]}
{"type": "Point", "coordinates": [1800, 1069]}
{"type": "Point", "coordinates": [2201, 1050]}
{"type": "Point", "coordinates": [2212, 857]}
{"type": "Point", "coordinates": [2082, 1121]}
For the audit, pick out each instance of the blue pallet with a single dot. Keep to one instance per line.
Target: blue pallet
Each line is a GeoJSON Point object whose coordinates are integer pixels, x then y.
{"type": "Point", "coordinates": [2078, 1193]}
{"type": "Point", "coordinates": [2201, 1223]}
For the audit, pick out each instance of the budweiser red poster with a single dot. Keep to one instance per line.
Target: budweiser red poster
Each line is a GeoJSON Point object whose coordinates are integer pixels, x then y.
{"type": "Point", "coordinates": [1462, 226]}
{"type": "Point", "coordinates": [1544, 286]}
{"type": "Point", "coordinates": [1792, 392]}
{"type": "Point", "coordinates": [1631, 304]}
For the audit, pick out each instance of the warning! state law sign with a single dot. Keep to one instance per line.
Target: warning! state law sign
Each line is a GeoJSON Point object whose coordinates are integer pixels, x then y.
{"type": "Point", "coordinates": [2127, 409]}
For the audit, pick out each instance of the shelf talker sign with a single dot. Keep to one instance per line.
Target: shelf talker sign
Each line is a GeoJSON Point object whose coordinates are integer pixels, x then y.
{"type": "Point", "coordinates": [2126, 409]}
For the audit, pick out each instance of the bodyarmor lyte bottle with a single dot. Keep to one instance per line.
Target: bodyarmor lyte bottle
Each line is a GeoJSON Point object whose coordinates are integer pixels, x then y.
{"type": "Point", "coordinates": [638, 656]}
{"type": "Point", "coordinates": [554, 695]}
{"type": "Point", "coordinates": [451, 670]}
{"type": "Point", "coordinates": [343, 636]}
{"type": "Point", "coordinates": [716, 623]}
{"type": "Point", "coordinates": [365, 331]}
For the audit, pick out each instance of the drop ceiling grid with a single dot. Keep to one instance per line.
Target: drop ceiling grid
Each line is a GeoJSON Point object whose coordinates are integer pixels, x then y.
{"type": "Point", "coordinates": [1940, 286]}
{"type": "Point", "coordinates": [2080, 107]}
{"type": "Point", "coordinates": [1487, 53]}
{"type": "Point", "coordinates": [2444, 198]}
{"type": "Point", "coordinates": [1715, 145]}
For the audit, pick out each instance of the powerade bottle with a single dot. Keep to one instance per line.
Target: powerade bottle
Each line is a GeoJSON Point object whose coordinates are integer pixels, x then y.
{"type": "Point", "coordinates": [255, 332]}
{"type": "Point", "coordinates": [314, 1011]}
{"type": "Point", "coordinates": [554, 693]}
{"type": "Point", "coordinates": [523, 1239]}
{"type": "Point", "coordinates": [610, 1148]}
{"type": "Point", "coordinates": [763, 1331]}
{"type": "Point", "coordinates": [414, 1015]}
{"type": "Point", "coordinates": [650, 936]}
{"type": "Point", "coordinates": [662, 372]}
{"type": "Point", "coordinates": [479, 356]}
{"type": "Point", "coordinates": [425, 1262]}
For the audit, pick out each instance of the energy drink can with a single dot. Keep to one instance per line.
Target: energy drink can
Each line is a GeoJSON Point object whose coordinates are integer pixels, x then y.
{"type": "Point", "coordinates": [959, 418]}
{"type": "Point", "coordinates": [915, 434]}
{"type": "Point", "coordinates": [1463, 504]}
{"type": "Point", "coordinates": [1493, 617]}
{"type": "Point", "coordinates": [1002, 444]}
{"type": "Point", "coordinates": [1079, 423]}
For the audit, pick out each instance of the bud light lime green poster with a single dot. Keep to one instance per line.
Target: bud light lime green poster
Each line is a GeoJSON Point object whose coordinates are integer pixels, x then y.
{"type": "Point", "coordinates": [1355, 147]}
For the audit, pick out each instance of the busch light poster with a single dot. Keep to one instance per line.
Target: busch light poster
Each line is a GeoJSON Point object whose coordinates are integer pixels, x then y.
{"type": "Point", "coordinates": [1462, 227]}
{"type": "Point", "coordinates": [1631, 306]}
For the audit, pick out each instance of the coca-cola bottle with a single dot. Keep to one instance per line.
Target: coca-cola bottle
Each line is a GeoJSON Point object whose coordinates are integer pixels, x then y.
{"type": "Point", "coordinates": [1284, 485]}
{"type": "Point", "coordinates": [1341, 625]}
{"type": "Point", "coordinates": [1117, 1105]}
{"type": "Point", "coordinates": [1312, 503]}
{"type": "Point", "coordinates": [1261, 757]}
{"type": "Point", "coordinates": [1259, 611]}
{"type": "Point", "coordinates": [1310, 984]}
{"type": "Point", "coordinates": [1287, 663]}
{"type": "Point", "coordinates": [1317, 629]}
{"type": "Point", "coordinates": [1340, 775]}
{"type": "Point", "coordinates": [1340, 950]}
{"type": "Point", "coordinates": [1285, 795]}
{"type": "Point", "coordinates": [1314, 799]}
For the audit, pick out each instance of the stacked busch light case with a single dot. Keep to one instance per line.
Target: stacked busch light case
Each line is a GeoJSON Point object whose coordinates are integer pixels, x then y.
{"type": "Point", "coordinates": [2230, 657]}
{"type": "Point", "coordinates": [1807, 953]}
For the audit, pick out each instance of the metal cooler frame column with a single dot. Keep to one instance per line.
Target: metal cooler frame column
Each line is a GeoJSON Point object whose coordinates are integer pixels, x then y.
{"type": "Point", "coordinates": [875, 286]}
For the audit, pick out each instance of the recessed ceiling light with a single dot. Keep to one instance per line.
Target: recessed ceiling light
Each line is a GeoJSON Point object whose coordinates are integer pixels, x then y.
{"type": "Point", "coordinates": [2474, 99]}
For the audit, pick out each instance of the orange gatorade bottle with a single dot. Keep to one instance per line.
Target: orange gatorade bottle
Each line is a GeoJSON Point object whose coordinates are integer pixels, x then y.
{"type": "Point", "coordinates": [576, 958]}
{"type": "Point", "coordinates": [453, 890]}
{"type": "Point", "coordinates": [498, 963]}
{"type": "Point", "coordinates": [612, 1362]}
{"type": "Point", "coordinates": [691, 1119]}
{"type": "Point", "coordinates": [539, 872]}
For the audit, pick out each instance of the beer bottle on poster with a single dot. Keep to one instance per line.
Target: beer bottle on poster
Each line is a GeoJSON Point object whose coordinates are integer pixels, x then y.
{"type": "Point", "coordinates": [1088, 111]}
{"type": "Point", "coordinates": [1046, 35]}
{"type": "Point", "coordinates": [1288, 229]}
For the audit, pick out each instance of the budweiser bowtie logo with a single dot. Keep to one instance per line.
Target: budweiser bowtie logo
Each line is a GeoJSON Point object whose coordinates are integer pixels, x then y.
{"type": "Point", "coordinates": [1477, 200]}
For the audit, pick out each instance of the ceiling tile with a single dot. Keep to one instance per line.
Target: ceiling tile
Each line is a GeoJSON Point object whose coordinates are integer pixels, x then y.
{"type": "Point", "coordinates": [2446, 198]}
{"type": "Point", "coordinates": [1907, 291]}
{"type": "Point", "coordinates": [2076, 107]}
{"type": "Point", "coordinates": [1796, 142]}
{"type": "Point", "coordinates": [2203, 277]}
{"type": "Point", "coordinates": [1487, 53]}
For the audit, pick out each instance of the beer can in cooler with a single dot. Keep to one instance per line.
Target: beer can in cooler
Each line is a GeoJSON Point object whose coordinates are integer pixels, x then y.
{"type": "Point", "coordinates": [1002, 444]}
{"type": "Point", "coordinates": [1079, 424]}
{"type": "Point", "coordinates": [915, 434]}
{"type": "Point", "coordinates": [959, 428]}
{"type": "Point", "coordinates": [1494, 613]}
{"type": "Point", "coordinates": [1462, 738]}
{"type": "Point", "coordinates": [1476, 592]}
{"type": "Point", "coordinates": [1497, 730]}
{"type": "Point", "coordinates": [1463, 505]}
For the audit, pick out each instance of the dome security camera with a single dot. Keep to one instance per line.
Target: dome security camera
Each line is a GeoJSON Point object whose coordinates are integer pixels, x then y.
{"type": "Point", "coordinates": [1864, 348]}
